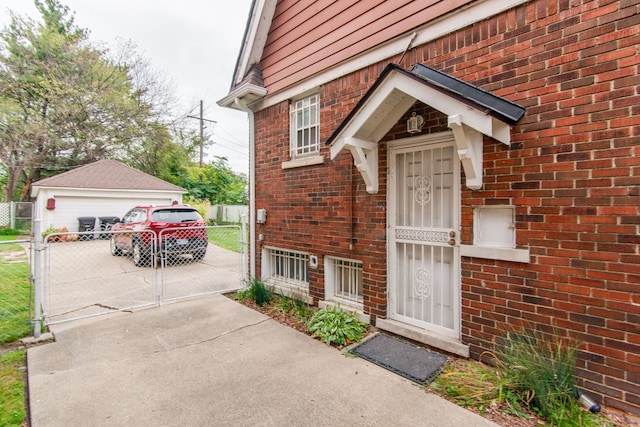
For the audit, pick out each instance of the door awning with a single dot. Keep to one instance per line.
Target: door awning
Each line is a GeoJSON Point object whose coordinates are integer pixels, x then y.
{"type": "Point", "coordinates": [472, 112]}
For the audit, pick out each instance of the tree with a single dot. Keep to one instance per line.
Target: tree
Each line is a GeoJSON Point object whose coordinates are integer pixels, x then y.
{"type": "Point", "coordinates": [64, 103]}
{"type": "Point", "coordinates": [215, 182]}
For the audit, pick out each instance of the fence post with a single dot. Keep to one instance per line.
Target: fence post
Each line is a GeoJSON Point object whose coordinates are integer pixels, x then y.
{"type": "Point", "coordinates": [37, 285]}
{"type": "Point", "coordinates": [12, 216]}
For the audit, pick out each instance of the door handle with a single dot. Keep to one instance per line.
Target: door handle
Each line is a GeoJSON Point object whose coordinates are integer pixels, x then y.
{"type": "Point", "coordinates": [452, 240]}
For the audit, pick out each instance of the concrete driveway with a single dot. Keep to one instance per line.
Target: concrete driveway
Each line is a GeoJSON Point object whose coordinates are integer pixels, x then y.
{"type": "Point", "coordinates": [211, 361]}
{"type": "Point", "coordinates": [82, 278]}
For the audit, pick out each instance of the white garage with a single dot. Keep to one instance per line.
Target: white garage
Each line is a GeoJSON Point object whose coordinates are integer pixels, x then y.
{"type": "Point", "coordinates": [106, 188]}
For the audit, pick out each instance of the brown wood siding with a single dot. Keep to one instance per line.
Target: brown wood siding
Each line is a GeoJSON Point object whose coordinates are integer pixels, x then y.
{"type": "Point", "coordinates": [309, 36]}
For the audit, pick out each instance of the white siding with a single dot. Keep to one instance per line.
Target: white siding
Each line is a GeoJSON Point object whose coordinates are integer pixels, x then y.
{"type": "Point", "coordinates": [74, 203]}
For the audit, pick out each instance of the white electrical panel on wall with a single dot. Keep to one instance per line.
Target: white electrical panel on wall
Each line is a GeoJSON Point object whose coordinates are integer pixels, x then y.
{"type": "Point", "coordinates": [261, 216]}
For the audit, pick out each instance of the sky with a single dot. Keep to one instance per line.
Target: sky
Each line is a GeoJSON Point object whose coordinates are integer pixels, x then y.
{"type": "Point", "coordinates": [194, 43]}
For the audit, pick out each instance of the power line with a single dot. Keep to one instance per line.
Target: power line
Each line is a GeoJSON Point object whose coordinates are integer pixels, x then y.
{"type": "Point", "coordinates": [233, 136]}
{"type": "Point", "coordinates": [202, 120]}
{"type": "Point", "coordinates": [231, 149]}
{"type": "Point", "coordinates": [221, 138]}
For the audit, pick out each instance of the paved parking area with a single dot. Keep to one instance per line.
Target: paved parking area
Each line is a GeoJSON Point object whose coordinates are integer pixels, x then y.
{"type": "Point", "coordinates": [82, 278]}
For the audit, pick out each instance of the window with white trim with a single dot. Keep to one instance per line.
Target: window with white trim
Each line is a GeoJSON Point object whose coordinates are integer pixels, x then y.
{"type": "Point", "coordinates": [343, 281]}
{"type": "Point", "coordinates": [305, 127]}
{"type": "Point", "coordinates": [282, 268]}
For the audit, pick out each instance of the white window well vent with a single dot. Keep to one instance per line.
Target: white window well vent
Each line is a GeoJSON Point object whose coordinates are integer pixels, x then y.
{"type": "Point", "coordinates": [494, 226]}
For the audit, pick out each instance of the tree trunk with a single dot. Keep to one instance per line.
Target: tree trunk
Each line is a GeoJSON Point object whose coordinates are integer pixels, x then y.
{"type": "Point", "coordinates": [25, 195]}
{"type": "Point", "coordinates": [10, 188]}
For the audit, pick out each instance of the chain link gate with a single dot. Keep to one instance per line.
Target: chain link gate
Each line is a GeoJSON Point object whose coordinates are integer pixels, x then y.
{"type": "Point", "coordinates": [83, 276]}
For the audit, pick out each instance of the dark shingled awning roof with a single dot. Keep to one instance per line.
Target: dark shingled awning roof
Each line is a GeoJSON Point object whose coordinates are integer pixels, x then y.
{"type": "Point", "coordinates": [493, 105]}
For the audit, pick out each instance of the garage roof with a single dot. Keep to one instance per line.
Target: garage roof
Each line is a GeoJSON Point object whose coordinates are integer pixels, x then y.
{"type": "Point", "coordinates": [107, 175]}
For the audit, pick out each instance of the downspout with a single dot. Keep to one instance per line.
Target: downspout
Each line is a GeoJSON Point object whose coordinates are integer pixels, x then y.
{"type": "Point", "coordinates": [252, 187]}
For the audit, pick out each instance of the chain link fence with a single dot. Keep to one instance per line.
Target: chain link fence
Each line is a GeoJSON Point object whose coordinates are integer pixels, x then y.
{"type": "Point", "coordinates": [15, 290]}
{"type": "Point", "coordinates": [16, 215]}
{"type": "Point", "coordinates": [93, 273]}
{"type": "Point", "coordinates": [82, 275]}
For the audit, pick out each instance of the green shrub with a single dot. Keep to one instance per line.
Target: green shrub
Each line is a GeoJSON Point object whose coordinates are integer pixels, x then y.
{"type": "Point", "coordinates": [48, 231]}
{"type": "Point", "coordinates": [335, 326]}
{"type": "Point", "coordinates": [532, 370]}
{"type": "Point", "coordinates": [6, 231]}
{"type": "Point", "coordinates": [258, 292]}
{"type": "Point", "coordinates": [543, 370]}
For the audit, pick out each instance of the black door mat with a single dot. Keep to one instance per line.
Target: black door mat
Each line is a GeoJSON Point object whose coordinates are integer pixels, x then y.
{"type": "Point", "coordinates": [407, 360]}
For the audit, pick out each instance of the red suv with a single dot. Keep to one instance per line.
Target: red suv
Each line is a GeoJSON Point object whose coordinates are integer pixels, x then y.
{"type": "Point", "coordinates": [170, 230]}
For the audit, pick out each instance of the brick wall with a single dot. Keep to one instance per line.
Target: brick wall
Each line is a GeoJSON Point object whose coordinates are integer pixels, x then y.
{"type": "Point", "coordinates": [572, 171]}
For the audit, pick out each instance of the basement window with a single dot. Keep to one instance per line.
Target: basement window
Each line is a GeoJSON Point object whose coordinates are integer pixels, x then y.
{"type": "Point", "coordinates": [286, 271]}
{"type": "Point", "coordinates": [343, 281]}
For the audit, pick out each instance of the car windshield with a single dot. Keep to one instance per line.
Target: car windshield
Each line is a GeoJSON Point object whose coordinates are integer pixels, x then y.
{"type": "Point", "coordinates": [175, 215]}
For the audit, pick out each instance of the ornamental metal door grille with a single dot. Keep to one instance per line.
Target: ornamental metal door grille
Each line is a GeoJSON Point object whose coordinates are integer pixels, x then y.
{"type": "Point", "coordinates": [423, 228]}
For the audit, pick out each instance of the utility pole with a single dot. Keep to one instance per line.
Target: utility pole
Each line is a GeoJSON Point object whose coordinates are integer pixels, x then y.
{"type": "Point", "coordinates": [202, 120]}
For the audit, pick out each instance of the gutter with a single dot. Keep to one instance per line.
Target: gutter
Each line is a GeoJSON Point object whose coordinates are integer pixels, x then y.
{"type": "Point", "coordinates": [252, 185]}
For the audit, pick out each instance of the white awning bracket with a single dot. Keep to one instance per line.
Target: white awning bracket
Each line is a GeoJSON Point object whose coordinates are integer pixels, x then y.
{"type": "Point", "coordinates": [365, 158]}
{"type": "Point", "coordinates": [469, 146]}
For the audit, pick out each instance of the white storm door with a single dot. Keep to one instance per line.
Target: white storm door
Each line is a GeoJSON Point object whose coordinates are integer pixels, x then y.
{"type": "Point", "coordinates": [424, 277]}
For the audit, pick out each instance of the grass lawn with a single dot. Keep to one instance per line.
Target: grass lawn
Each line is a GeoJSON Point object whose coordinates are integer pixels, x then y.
{"type": "Point", "coordinates": [225, 237]}
{"type": "Point", "coordinates": [12, 388]}
{"type": "Point", "coordinates": [14, 324]}
{"type": "Point", "coordinates": [8, 246]}
{"type": "Point", "coordinates": [14, 293]}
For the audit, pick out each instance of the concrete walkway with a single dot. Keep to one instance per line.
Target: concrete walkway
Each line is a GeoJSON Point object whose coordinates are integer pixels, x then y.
{"type": "Point", "coordinates": [211, 361]}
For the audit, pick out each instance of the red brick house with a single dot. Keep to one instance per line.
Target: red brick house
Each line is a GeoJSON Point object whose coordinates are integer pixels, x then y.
{"type": "Point", "coordinates": [451, 169]}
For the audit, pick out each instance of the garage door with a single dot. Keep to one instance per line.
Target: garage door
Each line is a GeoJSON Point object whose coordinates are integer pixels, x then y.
{"type": "Point", "coordinates": [68, 209]}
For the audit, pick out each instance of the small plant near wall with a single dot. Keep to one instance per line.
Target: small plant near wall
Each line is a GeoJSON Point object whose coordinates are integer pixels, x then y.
{"type": "Point", "coordinates": [532, 377]}
{"type": "Point", "coordinates": [542, 370]}
{"type": "Point", "coordinates": [257, 291]}
{"type": "Point", "coordinates": [294, 305]}
{"type": "Point", "coordinates": [334, 326]}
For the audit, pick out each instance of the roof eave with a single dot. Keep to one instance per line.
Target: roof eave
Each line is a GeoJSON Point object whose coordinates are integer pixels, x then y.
{"type": "Point", "coordinates": [255, 38]}
{"type": "Point", "coordinates": [249, 93]}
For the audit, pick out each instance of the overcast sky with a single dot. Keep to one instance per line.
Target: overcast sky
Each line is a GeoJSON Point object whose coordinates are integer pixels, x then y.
{"type": "Point", "coordinates": [195, 43]}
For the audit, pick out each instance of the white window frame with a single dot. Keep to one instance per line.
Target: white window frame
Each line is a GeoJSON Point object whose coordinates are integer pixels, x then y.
{"type": "Point", "coordinates": [301, 124]}
{"type": "Point", "coordinates": [336, 271]}
{"type": "Point", "coordinates": [285, 270]}
{"type": "Point", "coordinates": [485, 245]}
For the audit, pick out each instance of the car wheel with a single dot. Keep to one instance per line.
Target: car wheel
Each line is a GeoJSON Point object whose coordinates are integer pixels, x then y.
{"type": "Point", "coordinates": [115, 250]}
{"type": "Point", "coordinates": [141, 257]}
{"type": "Point", "coordinates": [198, 255]}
